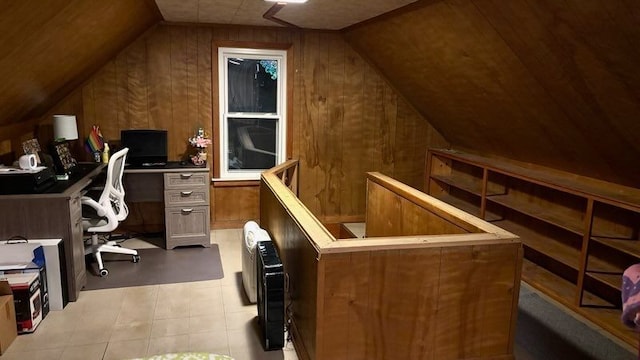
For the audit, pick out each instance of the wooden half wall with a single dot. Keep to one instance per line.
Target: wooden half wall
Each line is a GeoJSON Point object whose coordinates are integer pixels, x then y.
{"type": "Point", "coordinates": [441, 296]}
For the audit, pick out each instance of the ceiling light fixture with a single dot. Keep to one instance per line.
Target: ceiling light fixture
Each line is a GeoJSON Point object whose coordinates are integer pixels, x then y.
{"type": "Point", "coordinates": [288, 1]}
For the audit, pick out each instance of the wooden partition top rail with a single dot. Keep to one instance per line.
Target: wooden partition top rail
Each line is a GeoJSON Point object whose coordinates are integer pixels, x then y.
{"type": "Point", "coordinates": [416, 242]}
{"type": "Point", "coordinates": [287, 172]}
{"type": "Point", "coordinates": [584, 186]}
{"type": "Point", "coordinates": [317, 234]}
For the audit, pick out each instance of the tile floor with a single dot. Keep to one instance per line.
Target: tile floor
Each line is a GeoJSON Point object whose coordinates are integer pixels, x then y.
{"type": "Point", "coordinates": [125, 323]}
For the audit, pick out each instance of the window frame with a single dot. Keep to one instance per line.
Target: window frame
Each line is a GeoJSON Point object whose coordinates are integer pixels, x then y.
{"type": "Point", "coordinates": [222, 50]}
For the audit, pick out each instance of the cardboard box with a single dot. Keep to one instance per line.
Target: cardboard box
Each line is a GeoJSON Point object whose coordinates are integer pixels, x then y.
{"type": "Point", "coordinates": [8, 328]}
{"type": "Point", "coordinates": [26, 257]}
{"type": "Point", "coordinates": [27, 300]}
{"type": "Point", "coordinates": [55, 285]}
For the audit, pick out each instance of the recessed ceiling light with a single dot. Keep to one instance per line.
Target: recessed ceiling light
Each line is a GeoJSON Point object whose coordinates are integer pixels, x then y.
{"type": "Point", "coordinates": [288, 1]}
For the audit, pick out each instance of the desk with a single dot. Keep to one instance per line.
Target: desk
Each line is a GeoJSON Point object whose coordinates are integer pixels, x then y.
{"type": "Point", "coordinates": [54, 213]}
{"type": "Point", "coordinates": [184, 191]}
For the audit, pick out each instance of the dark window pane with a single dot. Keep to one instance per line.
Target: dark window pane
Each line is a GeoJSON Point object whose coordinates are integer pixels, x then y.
{"type": "Point", "coordinates": [253, 85]}
{"type": "Point", "coordinates": [252, 143]}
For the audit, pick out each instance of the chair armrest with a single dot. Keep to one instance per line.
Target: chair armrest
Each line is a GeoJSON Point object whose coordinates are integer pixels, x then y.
{"type": "Point", "coordinates": [85, 200]}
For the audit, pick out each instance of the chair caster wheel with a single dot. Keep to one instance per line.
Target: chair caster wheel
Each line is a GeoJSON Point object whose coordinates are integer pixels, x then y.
{"type": "Point", "coordinates": [104, 272]}
{"type": "Point", "coordinates": [136, 258]}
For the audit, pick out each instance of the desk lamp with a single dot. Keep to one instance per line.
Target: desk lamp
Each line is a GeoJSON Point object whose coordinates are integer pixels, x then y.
{"type": "Point", "coordinates": [64, 129]}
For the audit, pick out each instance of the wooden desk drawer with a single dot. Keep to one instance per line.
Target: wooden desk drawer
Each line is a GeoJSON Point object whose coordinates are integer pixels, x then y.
{"type": "Point", "coordinates": [187, 226]}
{"type": "Point", "coordinates": [77, 243]}
{"type": "Point", "coordinates": [187, 197]}
{"type": "Point", "coordinates": [186, 179]}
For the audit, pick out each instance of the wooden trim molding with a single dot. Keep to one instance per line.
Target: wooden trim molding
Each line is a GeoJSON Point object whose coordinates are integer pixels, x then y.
{"type": "Point", "coordinates": [233, 183]}
{"type": "Point", "coordinates": [271, 15]}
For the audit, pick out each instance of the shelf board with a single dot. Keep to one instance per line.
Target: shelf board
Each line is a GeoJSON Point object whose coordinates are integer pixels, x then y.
{"type": "Point", "coordinates": [556, 287]}
{"type": "Point", "coordinates": [561, 219]}
{"type": "Point", "coordinates": [555, 249]}
{"type": "Point", "coordinates": [558, 250]}
{"type": "Point", "coordinates": [631, 247]}
{"type": "Point", "coordinates": [467, 207]}
{"type": "Point", "coordinates": [612, 280]}
{"type": "Point", "coordinates": [564, 292]}
{"type": "Point", "coordinates": [467, 183]}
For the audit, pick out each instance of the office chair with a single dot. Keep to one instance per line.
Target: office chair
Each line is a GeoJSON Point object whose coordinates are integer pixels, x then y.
{"type": "Point", "coordinates": [102, 215]}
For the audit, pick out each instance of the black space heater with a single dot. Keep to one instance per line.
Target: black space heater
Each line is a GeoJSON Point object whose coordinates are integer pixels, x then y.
{"type": "Point", "coordinates": [270, 295]}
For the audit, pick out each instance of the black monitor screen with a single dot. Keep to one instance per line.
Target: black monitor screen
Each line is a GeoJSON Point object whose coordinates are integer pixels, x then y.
{"type": "Point", "coordinates": [146, 147]}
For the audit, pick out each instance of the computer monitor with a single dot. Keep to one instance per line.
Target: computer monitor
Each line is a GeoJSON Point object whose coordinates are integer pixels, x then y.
{"type": "Point", "coordinates": [146, 147]}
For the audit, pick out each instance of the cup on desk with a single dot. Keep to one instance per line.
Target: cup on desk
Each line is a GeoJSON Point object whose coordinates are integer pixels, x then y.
{"type": "Point", "coordinates": [27, 162]}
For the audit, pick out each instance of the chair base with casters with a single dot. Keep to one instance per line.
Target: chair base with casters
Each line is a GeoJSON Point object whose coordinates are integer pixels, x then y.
{"type": "Point", "coordinates": [96, 249]}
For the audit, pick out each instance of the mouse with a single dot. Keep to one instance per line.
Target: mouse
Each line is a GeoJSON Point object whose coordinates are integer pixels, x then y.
{"type": "Point", "coordinates": [183, 163]}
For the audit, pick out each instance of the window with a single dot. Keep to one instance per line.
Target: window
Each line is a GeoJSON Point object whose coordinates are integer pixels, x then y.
{"type": "Point", "coordinates": [253, 88]}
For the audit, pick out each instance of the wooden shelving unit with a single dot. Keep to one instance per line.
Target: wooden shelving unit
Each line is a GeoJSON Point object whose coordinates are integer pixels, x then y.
{"type": "Point", "coordinates": [579, 233]}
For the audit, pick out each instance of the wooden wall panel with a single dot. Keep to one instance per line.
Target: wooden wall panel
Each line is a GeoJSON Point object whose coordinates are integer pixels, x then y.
{"type": "Point", "coordinates": [137, 105]}
{"type": "Point", "coordinates": [308, 122]}
{"type": "Point", "coordinates": [390, 214]}
{"type": "Point", "coordinates": [365, 138]}
{"type": "Point", "coordinates": [234, 205]}
{"type": "Point", "coordinates": [375, 305]}
{"type": "Point", "coordinates": [346, 119]}
{"type": "Point", "coordinates": [41, 128]}
{"type": "Point", "coordinates": [159, 83]}
{"type": "Point", "coordinates": [352, 182]}
{"type": "Point", "coordinates": [181, 96]}
{"type": "Point", "coordinates": [542, 82]}
{"type": "Point", "coordinates": [380, 201]}
{"type": "Point", "coordinates": [456, 287]}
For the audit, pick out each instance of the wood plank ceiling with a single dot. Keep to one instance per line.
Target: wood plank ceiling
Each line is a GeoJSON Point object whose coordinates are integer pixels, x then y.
{"type": "Point", "coordinates": [548, 82]}
{"type": "Point", "coordinates": [48, 48]}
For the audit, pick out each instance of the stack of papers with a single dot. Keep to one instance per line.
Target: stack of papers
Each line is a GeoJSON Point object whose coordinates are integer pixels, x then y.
{"type": "Point", "coordinates": [12, 170]}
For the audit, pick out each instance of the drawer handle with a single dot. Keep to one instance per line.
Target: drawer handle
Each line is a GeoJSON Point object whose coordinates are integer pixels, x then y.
{"type": "Point", "coordinates": [186, 193]}
{"type": "Point", "coordinates": [186, 176]}
{"type": "Point", "coordinates": [187, 211]}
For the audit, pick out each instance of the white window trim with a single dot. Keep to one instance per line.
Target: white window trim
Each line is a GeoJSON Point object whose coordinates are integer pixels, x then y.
{"type": "Point", "coordinates": [228, 52]}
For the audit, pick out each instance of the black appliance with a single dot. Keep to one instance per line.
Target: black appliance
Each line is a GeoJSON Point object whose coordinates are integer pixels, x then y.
{"type": "Point", "coordinates": [270, 295]}
{"type": "Point", "coordinates": [26, 182]}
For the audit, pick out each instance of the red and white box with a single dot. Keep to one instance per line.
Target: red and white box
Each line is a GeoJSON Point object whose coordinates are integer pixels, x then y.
{"type": "Point", "coordinates": [27, 300]}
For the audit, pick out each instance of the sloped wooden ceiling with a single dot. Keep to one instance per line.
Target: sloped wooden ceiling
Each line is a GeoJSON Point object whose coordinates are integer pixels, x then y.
{"type": "Point", "coordinates": [48, 47]}
{"type": "Point", "coordinates": [549, 82]}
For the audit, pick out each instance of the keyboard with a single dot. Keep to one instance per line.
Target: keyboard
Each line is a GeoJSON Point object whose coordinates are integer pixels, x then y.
{"type": "Point", "coordinates": [154, 164]}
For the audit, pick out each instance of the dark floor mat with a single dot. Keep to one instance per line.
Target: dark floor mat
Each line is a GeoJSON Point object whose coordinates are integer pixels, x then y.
{"type": "Point", "coordinates": [157, 266]}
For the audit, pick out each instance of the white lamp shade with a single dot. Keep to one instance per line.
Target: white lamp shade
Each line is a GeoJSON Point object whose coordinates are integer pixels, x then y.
{"type": "Point", "coordinates": [64, 127]}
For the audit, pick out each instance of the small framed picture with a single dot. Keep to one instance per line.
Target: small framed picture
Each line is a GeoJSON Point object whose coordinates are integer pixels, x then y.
{"type": "Point", "coordinates": [32, 146]}
{"type": "Point", "coordinates": [62, 157]}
